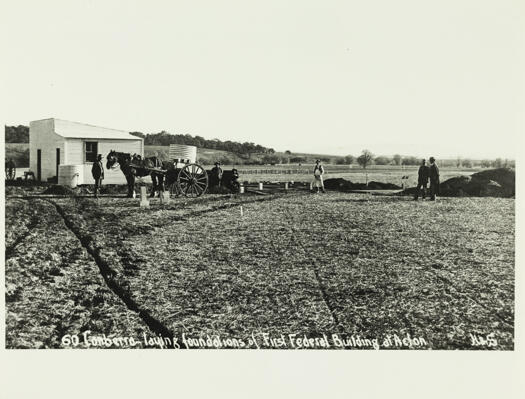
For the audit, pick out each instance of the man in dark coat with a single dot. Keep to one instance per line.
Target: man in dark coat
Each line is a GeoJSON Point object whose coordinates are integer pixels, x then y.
{"type": "Point", "coordinates": [422, 180]}
{"type": "Point", "coordinates": [434, 179]}
{"type": "Point", "coordinates": [97, 170]}
{"type": "Point", "coordinates": [216, 175]}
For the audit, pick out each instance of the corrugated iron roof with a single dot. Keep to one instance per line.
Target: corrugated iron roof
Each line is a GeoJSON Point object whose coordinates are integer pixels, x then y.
{"type": "Point", "coordinates": [83, 131]}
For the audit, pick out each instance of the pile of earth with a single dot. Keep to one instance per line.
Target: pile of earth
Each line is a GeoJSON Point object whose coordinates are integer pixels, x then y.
{"type": "Point", "coordinates": [499, 182]}
{"type": "Point", "coordinates": [10, 190]}
{"type": "Point", "coordinates": [346, 185]}
{"type": "Point", "coordinates": [60, 190]}
{"type": "Point", "coordinates": [20, 182]}
{"type": "Point", "coordinates": [218, 190]}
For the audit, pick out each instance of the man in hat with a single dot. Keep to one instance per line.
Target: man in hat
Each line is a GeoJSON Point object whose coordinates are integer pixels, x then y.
{"type": "Point", "coordinates": [422, 180]}
{"type": "Point", "coordinates": [318, 175]}
{"type": "Point", "coordinates": [216, 174]}
{"type": "Point", "coordinates": [97, 170]}
{"type": "Point", "coordinates": [434, 179]}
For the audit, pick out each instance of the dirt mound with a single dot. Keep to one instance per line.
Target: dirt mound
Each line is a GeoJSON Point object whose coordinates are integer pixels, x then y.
{"type": "Point", "coordinates": [346, 185]}
{"type": "Point", "coordinates": [60, 190]}
{"type": "Point", "coordinates": [218, 190]}
{"type": "Point", "coordinates": [488, 183]}
{"type": "Point", "coordinates": [339, 184]}
{"type": "Point", "coordinates": [375, 185]}
{"type": "Point", "coordinates": [9, 190]}
{"type": "Point", "coordinates": [455, 186]}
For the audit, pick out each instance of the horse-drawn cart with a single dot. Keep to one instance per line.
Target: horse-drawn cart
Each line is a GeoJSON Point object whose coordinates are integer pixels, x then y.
{"type": "Point", "coordinates": [180, 175]}
{"type": "Point", "coordinates": [190, 180]}
{"type": "Point", "coordinates": [177, 175]}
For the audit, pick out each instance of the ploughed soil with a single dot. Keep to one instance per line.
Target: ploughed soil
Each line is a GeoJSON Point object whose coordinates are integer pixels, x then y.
{"type": "Point", "coordinates": [241, 268]}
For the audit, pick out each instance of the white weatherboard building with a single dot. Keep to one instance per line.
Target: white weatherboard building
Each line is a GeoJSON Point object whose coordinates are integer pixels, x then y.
{"type": "Point", "coordinates": [54, 142]}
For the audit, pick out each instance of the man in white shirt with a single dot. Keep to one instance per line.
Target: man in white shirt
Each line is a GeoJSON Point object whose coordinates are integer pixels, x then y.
{"type": "Point", "coordinates": [318, 176]}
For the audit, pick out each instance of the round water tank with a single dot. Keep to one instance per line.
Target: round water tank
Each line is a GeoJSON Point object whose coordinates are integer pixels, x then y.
{"type": "Point", "coordinates": [182, 154]}
{"type": "Point", "coordinates": [70, 175]}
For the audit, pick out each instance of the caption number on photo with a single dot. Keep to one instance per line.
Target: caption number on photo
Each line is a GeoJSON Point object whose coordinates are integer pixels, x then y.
{"type": "Point", "coordinates": [70, 340]}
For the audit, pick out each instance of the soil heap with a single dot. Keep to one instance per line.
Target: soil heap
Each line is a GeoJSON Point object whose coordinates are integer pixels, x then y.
{"type": "Point", "coordinates": [499, 182]}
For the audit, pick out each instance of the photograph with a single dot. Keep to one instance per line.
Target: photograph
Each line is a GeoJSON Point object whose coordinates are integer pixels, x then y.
{"type": "Point", "coordinates": [279, 176]}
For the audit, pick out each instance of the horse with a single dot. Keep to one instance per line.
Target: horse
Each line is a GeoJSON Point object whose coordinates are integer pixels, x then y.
{"type": "Point", "coordinates": [135, 166]}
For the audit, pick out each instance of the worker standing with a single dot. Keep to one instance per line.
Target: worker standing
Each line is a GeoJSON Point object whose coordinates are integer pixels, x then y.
{"type": "Point", "coordinates": [318, 175]}
{"type": "Point", "coordinates": [216, 174]}
{"type": "Point", "coordinates": [97, 170]}
{"type": "Point", "coordinates": [422, 180]}
{"type": "Point", "coordinates": [434, 179]}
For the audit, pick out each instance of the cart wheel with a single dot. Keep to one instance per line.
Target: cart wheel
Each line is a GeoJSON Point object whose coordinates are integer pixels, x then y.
{"type": "Point", "coordinates": [10, 173]}
{"type": "Point", "coordinates": [193, 180]}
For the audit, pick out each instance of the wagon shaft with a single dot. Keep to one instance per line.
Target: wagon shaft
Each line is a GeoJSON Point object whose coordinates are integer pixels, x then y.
{"type": "Point", "coordinates": [156, 170]}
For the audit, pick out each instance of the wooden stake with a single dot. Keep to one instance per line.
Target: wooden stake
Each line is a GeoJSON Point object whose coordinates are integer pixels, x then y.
{"type": "Point", "coordinates": [144, 202]}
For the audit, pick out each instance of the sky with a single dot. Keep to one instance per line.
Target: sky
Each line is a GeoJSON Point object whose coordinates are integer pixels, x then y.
{"type": "Point", "coordinates": [442, 78]}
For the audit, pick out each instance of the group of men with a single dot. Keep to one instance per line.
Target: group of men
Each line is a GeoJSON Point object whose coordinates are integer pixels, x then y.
{"type": "Point", "coordinates": [426, 173]}
{"type": "Point", "coordinates": [228, 179]}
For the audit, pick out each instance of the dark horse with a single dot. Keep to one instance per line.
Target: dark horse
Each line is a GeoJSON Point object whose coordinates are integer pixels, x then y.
{"type": "Point", "coordinates": [134, 166]}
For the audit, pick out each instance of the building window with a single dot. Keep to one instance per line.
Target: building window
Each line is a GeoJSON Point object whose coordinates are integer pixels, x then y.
{"type": "Point", "coordinates": [91, 151]}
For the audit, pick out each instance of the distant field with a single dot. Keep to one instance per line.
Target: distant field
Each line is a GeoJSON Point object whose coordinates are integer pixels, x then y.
{"type": "Point", "coordinates": [18, 152]}
{"type": "Point", "coordinates": [383, 174]}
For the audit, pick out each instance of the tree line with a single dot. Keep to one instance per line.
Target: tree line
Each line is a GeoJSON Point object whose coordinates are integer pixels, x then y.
{"type": "Point", "coordinates": [20, 134]}
{"type": "Point", "coordinates": [17, 134]}
{"type": "Point", "coordinates": [165, 139]}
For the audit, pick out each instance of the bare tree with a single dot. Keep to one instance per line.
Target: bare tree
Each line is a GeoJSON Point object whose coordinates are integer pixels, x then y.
{"type": "Point", "coordinates": [365, 159]}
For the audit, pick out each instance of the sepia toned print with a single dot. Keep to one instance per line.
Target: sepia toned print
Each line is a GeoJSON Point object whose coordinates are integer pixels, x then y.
{"type": "Point", "coordinates": [155, 250]}
{"type": "Point", "coordinates": [248, 176]}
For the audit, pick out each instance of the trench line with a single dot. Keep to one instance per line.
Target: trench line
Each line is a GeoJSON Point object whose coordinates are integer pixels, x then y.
{"type": "Point", "coordinates": [108, 275]}
{"type": "Point", "coordinates": [9, 250]}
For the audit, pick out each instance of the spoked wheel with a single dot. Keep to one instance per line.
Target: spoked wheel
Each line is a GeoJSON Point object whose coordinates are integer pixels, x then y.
{"type": "Point", "coordinates": [193, 180]}
{"type": "Point", "coordinates": [10, 173]}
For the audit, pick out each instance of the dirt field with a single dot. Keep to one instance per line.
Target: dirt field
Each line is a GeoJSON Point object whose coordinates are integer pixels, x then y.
{"type": "Point", "coordinates": [357, 266]}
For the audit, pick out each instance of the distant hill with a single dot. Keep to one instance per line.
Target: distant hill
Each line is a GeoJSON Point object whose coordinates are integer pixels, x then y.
{"type": "Point", "coordinates": [208, 156]}
{"type": "Point", "coordinates": [165, 139]}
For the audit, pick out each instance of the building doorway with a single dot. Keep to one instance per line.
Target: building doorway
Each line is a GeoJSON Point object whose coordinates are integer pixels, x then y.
{"type": "Point", "coordinates": [58, 161]}
{"type": "Point", "coordinates": [39, 165]}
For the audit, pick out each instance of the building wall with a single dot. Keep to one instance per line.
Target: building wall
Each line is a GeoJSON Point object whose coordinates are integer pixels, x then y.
{"type": "Point", "coordinates": [43, 137]}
